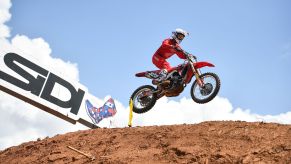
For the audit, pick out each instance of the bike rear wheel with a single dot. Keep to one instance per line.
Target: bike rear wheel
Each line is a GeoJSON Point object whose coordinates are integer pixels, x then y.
{"type": "Point", "coordinates": [210, 89]}
{"type": "Point", "coordinates": [143, 99]}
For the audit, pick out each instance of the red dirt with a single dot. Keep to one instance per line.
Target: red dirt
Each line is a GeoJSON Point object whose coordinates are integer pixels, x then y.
{"type": "Point", "coordinates": [208, 142]}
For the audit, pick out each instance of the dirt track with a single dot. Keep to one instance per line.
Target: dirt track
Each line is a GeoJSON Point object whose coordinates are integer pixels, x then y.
{"type": "Point", "coordinates": [208, 142]}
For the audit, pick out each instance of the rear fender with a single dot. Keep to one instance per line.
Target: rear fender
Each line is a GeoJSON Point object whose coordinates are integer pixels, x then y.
{"type": "Point", "coordinates": [141, 74]}
{"type": "Point", "coordinates": [148, 74]}
{"type": "Point", "coordinates": [203, 64]}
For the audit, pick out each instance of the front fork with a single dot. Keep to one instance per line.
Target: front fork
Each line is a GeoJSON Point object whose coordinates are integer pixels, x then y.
{"type": "Point", "coordinates": [197, 74]}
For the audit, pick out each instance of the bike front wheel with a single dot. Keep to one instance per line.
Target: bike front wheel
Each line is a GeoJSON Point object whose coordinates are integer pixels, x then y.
{"type": "Point", "coordinates": [210, 89]}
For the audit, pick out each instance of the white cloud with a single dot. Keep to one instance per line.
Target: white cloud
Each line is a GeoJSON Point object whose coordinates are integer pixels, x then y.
{"type": "Point", "coordinates": [167, 112]}
{"type": "Point", "coordinates": [38, 51]}
{"type": "Point", "coordinates": [4, 17]}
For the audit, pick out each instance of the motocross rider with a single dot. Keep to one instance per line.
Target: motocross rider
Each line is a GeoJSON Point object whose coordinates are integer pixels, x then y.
{"type": "Point", "coordinates": [168, 48]}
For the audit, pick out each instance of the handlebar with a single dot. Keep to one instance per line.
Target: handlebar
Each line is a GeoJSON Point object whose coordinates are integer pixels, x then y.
{"type": "Point", "coordinates": [185, 52]}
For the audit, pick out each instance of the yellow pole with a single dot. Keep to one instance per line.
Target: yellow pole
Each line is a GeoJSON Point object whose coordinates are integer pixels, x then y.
{"type": "Point", "coordinates": [130, 113]}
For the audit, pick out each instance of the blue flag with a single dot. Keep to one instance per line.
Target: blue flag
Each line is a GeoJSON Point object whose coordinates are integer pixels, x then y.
{"type": "Point", "coordinates": [97, 114]}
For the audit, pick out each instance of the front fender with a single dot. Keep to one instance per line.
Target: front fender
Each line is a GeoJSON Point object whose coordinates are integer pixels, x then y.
{"type": "Point", "coordinates": [203, 64]}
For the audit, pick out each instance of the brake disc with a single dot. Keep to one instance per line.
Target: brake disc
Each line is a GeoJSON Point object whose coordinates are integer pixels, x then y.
{"type": "Point", "coordinates": [144, 99]}
{"type": "Point", "coordinates": [206, 89]}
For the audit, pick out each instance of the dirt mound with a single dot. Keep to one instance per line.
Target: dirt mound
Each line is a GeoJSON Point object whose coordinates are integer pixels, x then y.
{"type": "Point", "coordinates": [208, 142]}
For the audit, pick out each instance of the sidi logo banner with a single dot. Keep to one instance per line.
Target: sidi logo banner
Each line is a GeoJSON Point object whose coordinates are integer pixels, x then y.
{"type": "Point", "coordinates": [37, 86]}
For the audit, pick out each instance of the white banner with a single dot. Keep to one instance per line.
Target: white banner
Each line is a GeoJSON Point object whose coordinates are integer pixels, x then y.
{"type": "Point", "coordinates": [37, 85]}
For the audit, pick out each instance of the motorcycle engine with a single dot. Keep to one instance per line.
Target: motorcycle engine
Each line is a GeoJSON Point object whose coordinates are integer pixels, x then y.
{"type": "Point", "coordinates": [176, 85]}
{"type": "Point", "coordinates": [176, 80]}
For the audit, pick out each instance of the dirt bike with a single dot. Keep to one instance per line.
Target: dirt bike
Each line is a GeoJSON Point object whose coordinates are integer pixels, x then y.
{"type": "Point", "coordinates": [203, 90]}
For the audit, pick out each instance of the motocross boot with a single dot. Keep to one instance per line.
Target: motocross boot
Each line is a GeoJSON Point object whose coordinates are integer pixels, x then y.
{"type": "Point", "coordinates": [162, 77]}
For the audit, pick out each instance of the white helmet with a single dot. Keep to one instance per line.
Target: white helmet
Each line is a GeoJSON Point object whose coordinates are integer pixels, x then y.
{"type": "Point", "coordinates": [177, 32]}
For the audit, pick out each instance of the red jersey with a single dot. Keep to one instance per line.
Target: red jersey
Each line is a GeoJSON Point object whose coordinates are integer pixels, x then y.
{"type": "Point", "coordinates": [165, 51]}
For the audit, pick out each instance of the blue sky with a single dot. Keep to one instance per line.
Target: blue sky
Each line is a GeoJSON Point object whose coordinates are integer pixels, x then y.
{"type": "Point", "coordinates": [248, 41]}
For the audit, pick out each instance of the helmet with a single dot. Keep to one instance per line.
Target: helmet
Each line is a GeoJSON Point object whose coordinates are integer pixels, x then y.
{"type": "Point", "coordinates": [179, 34]}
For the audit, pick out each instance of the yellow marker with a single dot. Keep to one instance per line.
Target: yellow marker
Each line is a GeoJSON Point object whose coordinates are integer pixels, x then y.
{"type": "Point", "coordinates": [130, 113]}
